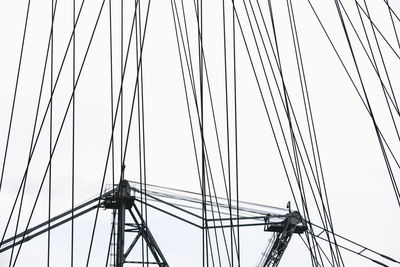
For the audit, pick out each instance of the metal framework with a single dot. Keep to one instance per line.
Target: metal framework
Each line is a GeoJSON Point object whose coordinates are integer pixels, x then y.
{"type": "Point", "coordinates": [122, 200]}
{"type": "Point", "coordinates": [283, 232]}
{"type": "Point", "coordinates": [125, 197]}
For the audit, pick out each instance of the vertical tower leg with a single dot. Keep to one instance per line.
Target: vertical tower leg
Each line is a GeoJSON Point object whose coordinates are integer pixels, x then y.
{"type": "Point", "coordinates": [123, 196]}
{"type": "Point", "coordinates": [121, 234]}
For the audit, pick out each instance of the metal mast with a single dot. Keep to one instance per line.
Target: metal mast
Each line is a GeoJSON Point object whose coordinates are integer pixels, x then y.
{"type": "Point", "coordinates": [122, 201]}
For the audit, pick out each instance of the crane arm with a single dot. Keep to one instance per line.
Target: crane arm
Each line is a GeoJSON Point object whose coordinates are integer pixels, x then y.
{"type": "Point", "coordinates": [282, 233]}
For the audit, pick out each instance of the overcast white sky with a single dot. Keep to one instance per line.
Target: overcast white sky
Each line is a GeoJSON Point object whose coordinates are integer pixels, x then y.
{"type": "Point", "coordinates": [362, 201]}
